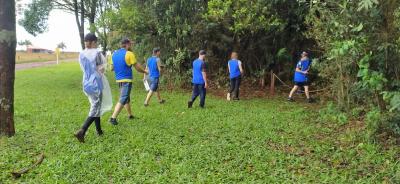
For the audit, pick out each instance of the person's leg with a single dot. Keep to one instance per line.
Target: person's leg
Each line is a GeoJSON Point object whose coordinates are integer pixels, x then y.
{"type": "Point", "coordinates": [195, 94]}
{"type": "Point", "coordinates": [128, 109]}
{"type": "Point", "coordinates": [293, 91]}
{"type": "Point", "coordinates": [231, 89]}
{"type": "Point", "coordinates": [203, 92]}
{"type": "Point", "coordinates": [237, 86]}
{"type": "Point", "coordinates": [124, 98]}
{"type": "Point", "coordinates": [307, 92]}
{"type": "Point", "coordinates": [149, 94]}
{"type": "Point", "coordinates": [80, 134]}
{"type": "Point", "coordinates": [118, 108]}
{"type": "Point", "coordinates": [98, 126]}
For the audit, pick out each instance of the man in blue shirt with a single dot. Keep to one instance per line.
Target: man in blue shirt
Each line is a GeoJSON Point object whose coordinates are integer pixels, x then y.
{"type": "Point", "coordinates": [235, 74]}
{"type": "Point", "coordinates": [199, 81]}
{"type": "Point", "coordinates": [301, 77]}
{"type": "Point", "coordinates": [122, 62]}
{"type": "Point", "coordinates": [154, 67]}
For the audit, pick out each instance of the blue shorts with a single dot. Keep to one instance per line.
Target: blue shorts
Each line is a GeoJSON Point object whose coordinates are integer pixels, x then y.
{"type": "Point", "coordinates": [154, 83]}
{"type": "Point", "coordinates": [125, 92]}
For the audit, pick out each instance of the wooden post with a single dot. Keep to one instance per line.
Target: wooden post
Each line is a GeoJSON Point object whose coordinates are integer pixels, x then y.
{"type": "Point", "coordinates": [272, 84]}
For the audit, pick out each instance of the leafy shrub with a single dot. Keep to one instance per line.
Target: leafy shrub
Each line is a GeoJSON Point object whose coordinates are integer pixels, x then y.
{"type": "Point", "coordinates": [332, 114]}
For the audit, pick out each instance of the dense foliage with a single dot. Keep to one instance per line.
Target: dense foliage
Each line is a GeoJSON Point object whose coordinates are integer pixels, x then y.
{"type": "Point", "coordinates": [355, 44]}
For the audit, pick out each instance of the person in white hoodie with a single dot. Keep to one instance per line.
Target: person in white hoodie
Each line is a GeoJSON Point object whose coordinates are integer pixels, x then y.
{"type": "Point", "coordinates": [95, 85]}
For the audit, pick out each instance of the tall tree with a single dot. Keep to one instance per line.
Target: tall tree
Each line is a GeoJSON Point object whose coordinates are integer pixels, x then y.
{"type": "Point", "coordinates": [7, 66]}
{"type": "Point", "coordinates": [36, 16]}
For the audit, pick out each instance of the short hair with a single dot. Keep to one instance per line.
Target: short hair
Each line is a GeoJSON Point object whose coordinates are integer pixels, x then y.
{"type": "Point", "coordinates": [304, 53]}
{"type": "Point", "coordinates": [155, 50]}
{"type": "Point", "coordinates": [202, 52]}
{"type": "Point", "coordinates": [90, 37]}
{"type": "Point", "coordinates": [125, 41]}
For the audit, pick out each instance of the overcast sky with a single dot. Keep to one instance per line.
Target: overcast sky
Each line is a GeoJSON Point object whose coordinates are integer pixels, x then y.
{"type": "Point", "coordinates": [62, 28]}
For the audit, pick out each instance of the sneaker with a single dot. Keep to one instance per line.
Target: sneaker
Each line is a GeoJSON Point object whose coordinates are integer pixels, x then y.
{"type": "Point", "coordinates": [236, 99]}
{"type": "Point", "coordinates": [131, 117]}
{"type": "Point", "coordinates": [162, 101]}
{"type": "Point", "coordinates": [290, 99]}
{"type": "Point", "coordinates": [310, 100]}
{"type": "Point", "coordinates": [145, 104]}
{"type": "Point", "coordinates": [113, 121]}
{"type": "Point", "coordinates": [190, 104]}
{"type": "Point", "coordinates": [228, 97]}
{"type": "Point", "coordinates": [80, 135]}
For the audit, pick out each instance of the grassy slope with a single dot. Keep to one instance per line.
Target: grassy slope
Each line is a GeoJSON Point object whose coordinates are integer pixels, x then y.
{"type": "Point", "coordinates": [255, 141]}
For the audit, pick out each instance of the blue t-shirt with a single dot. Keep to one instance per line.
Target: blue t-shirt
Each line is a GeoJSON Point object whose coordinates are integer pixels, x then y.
{"type": "Point", "coordinates": [234, 68]}
{"type": "Point", "coordinates": [303, 66]}
{"type": "Point", "coordinates": [153, 67]}
{"type": "Point", "coordinates": [121, 69]}
{"type": "Point", "coordinates": [198, 67]}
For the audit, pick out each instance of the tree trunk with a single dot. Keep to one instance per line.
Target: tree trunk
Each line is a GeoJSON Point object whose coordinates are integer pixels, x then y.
{"type": "Point", "coordinates": [7, 66]}
{"type": "Point", "coordinates": [79, 11]}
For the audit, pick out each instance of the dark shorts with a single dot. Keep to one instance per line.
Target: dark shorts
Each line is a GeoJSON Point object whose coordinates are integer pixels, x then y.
{"type": "Point", "coordinates": [301, 84]}
{"type": "Point", "coordinates": [154, 83]}
{"type": "Point", "coordinates": [125, 92]}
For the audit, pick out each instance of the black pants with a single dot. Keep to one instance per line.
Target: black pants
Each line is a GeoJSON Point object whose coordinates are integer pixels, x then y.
{"type": "Point", "coordinates": [235, 85]}
{"type": "Point", "coordinates": [199, 89]}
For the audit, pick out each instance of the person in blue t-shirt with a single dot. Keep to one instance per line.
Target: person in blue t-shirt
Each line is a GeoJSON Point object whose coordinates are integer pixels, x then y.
{"type": "Point", "coordinates": [235, 74]}
{"type": "Point", "coordinates": [154, 67]}
{"type": "Point", "coordinates": [199, 81]}
{"type": "Point", "coordinates": [301, 76]}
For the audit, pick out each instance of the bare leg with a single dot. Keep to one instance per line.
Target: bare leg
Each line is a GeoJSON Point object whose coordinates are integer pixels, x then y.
{"type": "Point", "coordinates": [307, 92]}
{"type": "Point", "coordinates": [159, 96]}
{"type": "Point", "coordinates": [117, 110]}
{"type": "Point", "coordinates": [128, 108]}
{"type": "Point", "coordinates": [148, 97]}
{"type": "Point", "coordinates": [293, 91]}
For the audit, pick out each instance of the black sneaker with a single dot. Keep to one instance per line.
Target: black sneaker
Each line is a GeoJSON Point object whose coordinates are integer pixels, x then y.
{"type": "Point", "coordinates": [113, 121]}
{"type": "Point", "coordinates": [80, 135]}
{"type": "Point", "coordinates": [290, 99]}
{"type": "Point", "coordinates": [162, 101]}
{"type": "Point", "coordinates": [310, 100]}
{"type": "Point", "coordinates": [131, 117]}
{"type": "Point", "coordinates": [100, 133]}
{"type": "Point", "coordinates": [145, 105]}
{"type": "Point", "coordinates": [190, 104]}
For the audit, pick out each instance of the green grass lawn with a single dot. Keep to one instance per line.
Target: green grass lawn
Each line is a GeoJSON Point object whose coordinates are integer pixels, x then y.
{"type": "Point", "coordinates": [251, 141]}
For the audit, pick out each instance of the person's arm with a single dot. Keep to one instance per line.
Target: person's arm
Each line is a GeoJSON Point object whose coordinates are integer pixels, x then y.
{"type": "Point", "coordinates": [159, 65]}
{"type": "Point", "coordinates": [241, 68]}
{"type": "Point", "coordinates": [100, 63]}
{"type": "Point", "coordinates": [204, 72]}
{"type": "Point", "coordinates": [229, 68]}
{"type": "Point", "coordinates": [131, 60]}
{"type": "Point", "coordinates": [144, 74]}
{"type": "Point", "coordinates": [140, 68]}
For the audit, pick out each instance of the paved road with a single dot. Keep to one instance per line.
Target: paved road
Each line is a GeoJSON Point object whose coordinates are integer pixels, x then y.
{"type": "Point", "coordinates": [24, 66]}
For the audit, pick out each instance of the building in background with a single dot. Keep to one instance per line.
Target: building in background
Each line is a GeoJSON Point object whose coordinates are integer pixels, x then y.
{"type": "Point", "coordinates": [33, 49]}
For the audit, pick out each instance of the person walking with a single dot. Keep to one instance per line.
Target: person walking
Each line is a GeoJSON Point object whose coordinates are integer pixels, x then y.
{"type": "Point", "coordinates": [301, 77]}
{"type": "Point", "coordinates": [93, 64]}
{"type": "Point", "coordinates": [199, 80]}
{"type": "Point", "coordinates": [235, 74]}
{"type": "Point", "coordinates": [122, 62]}
{"type": "Point", "coordinates": [154, 68]}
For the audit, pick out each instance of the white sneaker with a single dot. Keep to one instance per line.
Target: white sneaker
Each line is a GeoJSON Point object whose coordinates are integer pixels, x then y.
{"type": "Point", "coordinates": [228, 97]}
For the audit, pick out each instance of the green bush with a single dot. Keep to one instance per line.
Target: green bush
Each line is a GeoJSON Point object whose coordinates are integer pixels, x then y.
{"type": "Point", "coordinates": [332, 114]}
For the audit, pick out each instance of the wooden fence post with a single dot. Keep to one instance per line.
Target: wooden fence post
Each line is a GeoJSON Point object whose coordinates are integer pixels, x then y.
{"type": "Point", "coordinates": [272, 84]}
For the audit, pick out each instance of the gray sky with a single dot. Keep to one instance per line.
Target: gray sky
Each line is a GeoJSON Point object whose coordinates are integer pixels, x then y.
{"type": "Point", "coordinates": [62, 28]}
